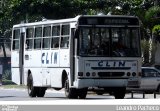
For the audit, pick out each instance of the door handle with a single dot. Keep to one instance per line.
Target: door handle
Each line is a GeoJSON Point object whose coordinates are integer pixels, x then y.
{"type": "Point", "coordinates": [27, 57]}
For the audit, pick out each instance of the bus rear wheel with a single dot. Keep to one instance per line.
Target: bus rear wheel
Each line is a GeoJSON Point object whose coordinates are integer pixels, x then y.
{"type": "Point", "coordinates": [70, 93]}
{"type": "Point", "coordinates": [41, 91]}
{"type": "Point", "coordinates": [32, 91]}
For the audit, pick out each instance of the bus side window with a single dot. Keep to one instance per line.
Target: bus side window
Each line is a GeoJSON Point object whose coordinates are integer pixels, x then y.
{"type": "Point", "coordinates": [55, 36]}
{"type": "Point", "coordinates": [46, 37]}
{"type": "Point", "coordinates": [37, 37]}
{"type": "Point", "coordinates": [65, 36]}
{"type": "Point", "coordinates": [64, 42]}
{"type": "Point", "coordinates": [29, 38]}
{"type": "Point", "coordinates": [55, 42]}
{"type": "Point", "coordinates": [16, 37]}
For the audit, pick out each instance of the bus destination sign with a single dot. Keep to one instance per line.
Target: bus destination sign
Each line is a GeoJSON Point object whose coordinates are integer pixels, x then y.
{"type": "Point", "coordinates": [108, 21]}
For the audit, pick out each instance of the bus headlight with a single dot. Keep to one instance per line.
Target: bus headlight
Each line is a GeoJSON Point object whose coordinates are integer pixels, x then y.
{"type": "Point", "coordinates": [133, 74]}
{"type": "Point", "coordinates": [87, 74]}
{"type": "Point", "coordinates": [128, 73]}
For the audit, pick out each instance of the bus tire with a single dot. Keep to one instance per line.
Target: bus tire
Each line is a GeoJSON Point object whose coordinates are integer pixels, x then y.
{"type": "Point", "coordinates": [120, 93]}
{"type": "Point", "coordinates": [32, 91]}
{"type": "Point", "coordinates": [41, 91]}
{"type": "Point", "coordinates": [70, 93]}
{"type": "Point", "coordinates": [82, 93]}
{"type": "Point", "coordinates": [57, 89]}
{"type": "Point", "coordinates": [99, 92]}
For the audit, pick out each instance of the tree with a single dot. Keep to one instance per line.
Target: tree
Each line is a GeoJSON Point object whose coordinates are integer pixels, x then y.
{"type": "Point", "coordinates": [15, 11]}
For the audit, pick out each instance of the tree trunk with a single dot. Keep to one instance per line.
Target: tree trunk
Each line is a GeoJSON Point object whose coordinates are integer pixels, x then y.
{"type": "Point", "coordinates": [4, 50]}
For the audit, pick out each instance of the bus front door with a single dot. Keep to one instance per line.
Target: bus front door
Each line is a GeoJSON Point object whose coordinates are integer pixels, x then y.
{"type": "Point", "coordinates": [21, 55]}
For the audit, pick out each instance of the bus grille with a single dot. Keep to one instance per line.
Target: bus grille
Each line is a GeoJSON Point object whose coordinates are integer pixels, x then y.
{"type": "Point", "coordinates": [111, 74]}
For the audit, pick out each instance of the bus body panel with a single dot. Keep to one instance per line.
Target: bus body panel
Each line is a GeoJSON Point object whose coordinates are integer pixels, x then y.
{"type": "Point", "coordinates": [56, 76]}
{"type": "Point", "coordinates": [108, 71]}
{"type": "Point", "coordinates": [33, 59]}
{"type": "Point", "coordinates": [50, 58]}
{"type": "Point", "coordinates": [15, 58]}
{"type": "Point", "coordinates": [15, 75]}
{"type": "Point", "coordinates": [36, 75]}
{"type": "Point", "coordinates": [15, 67]}
{"type": "Point", "coordinates": [64, 55]}
{"type": "Point", "coordinates": [46, 77]}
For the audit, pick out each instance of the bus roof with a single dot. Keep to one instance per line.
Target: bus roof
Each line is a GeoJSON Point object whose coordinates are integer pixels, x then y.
{"type": "Point", "coordinates": [45, 22]}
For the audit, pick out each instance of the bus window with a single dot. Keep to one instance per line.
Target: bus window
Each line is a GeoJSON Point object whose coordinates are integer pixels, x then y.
{"type": "Point", "coordinates": [47, 31]}
{"type": "Point", "coordinates": [16, 36]}
{"type": "Point", "coordinates": [55, 36]}
{"type": "Point", "coordinates": [64, 42]}
{"type": "Point", "coordinates": [29, 38]}
{"type": "Point", "coordinates": [56, 30]}
{"type": "Point", "coordinates": [38, 32]}
{"type": "Point", "coordinates": [37, 37]}
{"type": "Point", "coordinates": [55, 42]}
{"type": "Point", "coordinates": [46, 37]}
{"type": "Point", "coordinates": [65, 36]}
{"type": "Point", "coordinates": [65, 29]}
{"type": "Point", "coordinates": [125, 42]}
{"type": "Point", "coordinates": [94, 41]}
{"type": "Point", "coordinates": [135, 49]}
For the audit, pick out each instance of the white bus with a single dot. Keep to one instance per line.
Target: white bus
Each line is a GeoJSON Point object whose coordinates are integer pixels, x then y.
{"type": "Point", "coordinates": [77, 54]}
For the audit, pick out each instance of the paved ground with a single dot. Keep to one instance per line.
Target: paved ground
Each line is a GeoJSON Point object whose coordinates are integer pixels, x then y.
{"type": "Point", "coordinates": [16, 94]}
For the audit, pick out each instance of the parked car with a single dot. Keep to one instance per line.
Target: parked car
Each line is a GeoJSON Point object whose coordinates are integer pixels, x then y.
{"type": "Point", "coordinates": [150, 80]}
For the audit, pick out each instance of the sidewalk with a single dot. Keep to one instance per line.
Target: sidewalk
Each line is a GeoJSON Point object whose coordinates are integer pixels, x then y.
{"type": "Point", "coordinates": [24, 88]}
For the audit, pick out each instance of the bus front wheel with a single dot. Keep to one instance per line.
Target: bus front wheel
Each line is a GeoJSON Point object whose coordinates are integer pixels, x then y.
{"type": "Point", "coordinates": [120, 93]}
{"type": "Point", "coordinates": [32, 91]}
{"type": "Point", "coordinates": [70, 93]}
{"type": "Point", "coordinates": [82, 93]}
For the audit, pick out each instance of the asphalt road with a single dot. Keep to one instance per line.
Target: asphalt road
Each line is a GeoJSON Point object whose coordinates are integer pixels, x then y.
{"type": "Point", "coordinates": [14, 94]}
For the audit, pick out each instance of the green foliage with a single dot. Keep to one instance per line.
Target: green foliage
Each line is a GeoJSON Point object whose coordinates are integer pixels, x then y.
{"type": "Point", "coordinates": [152, 13]}
{"type": "Point", "coordinates": [145, 51]}
{"type": "Point", "coordinates": [8, 84]}
{"type": "Point", "coordinates": [156, 29]}
{"type": "Point", "coordinates": [150, 17]}
{"type": "Point", "coordinates": [6, 75]}
{"type": "Point", "coordinates": [15, 11]}
{"type": "Point", "coordinates": [156, 32]}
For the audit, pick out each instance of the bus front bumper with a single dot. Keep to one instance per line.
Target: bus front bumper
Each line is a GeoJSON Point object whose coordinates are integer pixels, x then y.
{"type": "Point", "coordinates": [83, 83]}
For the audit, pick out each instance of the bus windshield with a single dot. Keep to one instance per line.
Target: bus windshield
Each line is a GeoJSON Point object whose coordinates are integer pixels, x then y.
{"type": "Point", "coordinates": [109, 41]}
